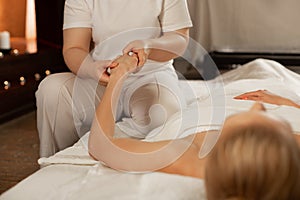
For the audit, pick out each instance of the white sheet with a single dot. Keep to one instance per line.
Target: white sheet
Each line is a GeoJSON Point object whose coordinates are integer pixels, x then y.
{"type": "Point", "coordinates": [73, 174]}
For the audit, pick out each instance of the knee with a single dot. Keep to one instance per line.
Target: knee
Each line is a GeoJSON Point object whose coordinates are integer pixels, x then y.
{"type": "Point", "coordinates": [52, 86]}
{"type": "Point", "coordinates": [170, 101]}
{"type": "Point", "coordinates": [152, 105]}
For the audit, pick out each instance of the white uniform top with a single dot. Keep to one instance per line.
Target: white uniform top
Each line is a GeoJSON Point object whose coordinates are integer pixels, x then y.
{"type": "Point", "coordinates": [115, 23]}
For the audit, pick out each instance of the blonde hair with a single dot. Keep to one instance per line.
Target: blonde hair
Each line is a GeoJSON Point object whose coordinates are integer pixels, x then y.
{"type": "Point", "coordinates": [254, 162]}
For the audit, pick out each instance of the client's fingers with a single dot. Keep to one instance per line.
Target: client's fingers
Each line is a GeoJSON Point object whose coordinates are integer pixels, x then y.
{"type": "Point", "coordinates": [113, 64]}
{"type": "Point", "coordinates": [242, 97]}
{"type": "Point", "coordinates": [253, 98]}
{"type": "Point", "coordinates": [250, 95]}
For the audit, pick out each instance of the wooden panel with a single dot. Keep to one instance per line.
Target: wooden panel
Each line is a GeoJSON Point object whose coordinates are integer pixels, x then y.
{"type": "Point", "coordinates": [18, 99]}
{"type": "Point", "coordinates": [12, 17]}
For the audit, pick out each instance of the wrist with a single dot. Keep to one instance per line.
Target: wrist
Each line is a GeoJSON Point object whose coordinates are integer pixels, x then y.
{"type": "Point", "coordinates": [118, 75]}
{"type": "Point", "coordinates": [289, 102]}
{"type": "Point", "coordinates": [296, 105]}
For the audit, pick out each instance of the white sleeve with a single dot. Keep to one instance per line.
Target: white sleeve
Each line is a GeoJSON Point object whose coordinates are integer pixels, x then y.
{"type": "Point", "coordinates": [77, 13]}
{"type": "Point", "coordinates": [175, 15]}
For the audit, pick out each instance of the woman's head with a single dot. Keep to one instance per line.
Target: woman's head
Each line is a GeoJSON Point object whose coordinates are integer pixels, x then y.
{"type": "Point", "coordinates": [256, 158]}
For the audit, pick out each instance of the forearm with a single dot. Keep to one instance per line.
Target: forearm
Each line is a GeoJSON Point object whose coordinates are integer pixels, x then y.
{"type": "Point", "coordinates": [106, 110]}
{"type": "Point", "coordinates": [74, 58]}
{"type": "Point", "coordinates": [289, 102]}
{"type": "Point", "coordinates": [76, 51]}
{"type": "Point", "coordinates": [267, 97]}
{"type": "Point", "coordinates": [279, 100]}
{"type": "Point", "coordinates": [169, 46]}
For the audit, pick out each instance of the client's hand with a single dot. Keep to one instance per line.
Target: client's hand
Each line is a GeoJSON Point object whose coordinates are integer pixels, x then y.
{"type": "Point", "coordinates": [125, 64]}
{"type": "Point", "coordinates": [266, 97]}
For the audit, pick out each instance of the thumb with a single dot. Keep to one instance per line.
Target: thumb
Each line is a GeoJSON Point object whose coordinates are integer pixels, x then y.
{"type": "Point", "coordinates": [113, 65]}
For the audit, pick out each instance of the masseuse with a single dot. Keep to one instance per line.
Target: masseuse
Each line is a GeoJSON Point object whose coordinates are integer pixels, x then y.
{"type": "Point", "coordinates": [154, 30]}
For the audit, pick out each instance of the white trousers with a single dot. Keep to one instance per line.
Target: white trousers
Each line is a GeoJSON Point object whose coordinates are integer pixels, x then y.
{"type": "Point", "coordinates": [66, 105]}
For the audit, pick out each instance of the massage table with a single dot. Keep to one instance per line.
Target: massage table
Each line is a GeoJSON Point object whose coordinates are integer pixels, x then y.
{"type": "Point", "coordinates": [73, 174]}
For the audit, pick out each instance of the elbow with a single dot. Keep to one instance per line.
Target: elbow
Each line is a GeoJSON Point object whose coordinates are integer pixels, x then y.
{"type": "Point", "coordinates": [179, 47]}
{"type": "Point", "coordinates": [91, 146]}
{"type": "Point", "coordinates": [183, 39]}
{"type": "Point", "coordinates": [95, 145]}
{"type": "Point", "coordinates": [64, 50]}
{"type": "Point", "coordinates": [99, 145]}
{"type": "Point", "coordinates": [183, 45]}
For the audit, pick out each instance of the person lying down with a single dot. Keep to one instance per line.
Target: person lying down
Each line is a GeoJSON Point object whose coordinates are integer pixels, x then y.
{"type": "Point", "coordinates": [257, 156]}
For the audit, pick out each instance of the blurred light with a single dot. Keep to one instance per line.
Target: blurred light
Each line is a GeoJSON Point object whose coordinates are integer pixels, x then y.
{"type": "Point", "coordinates": [22, 81]}
{"type": "Point", "coordinates": [37, 76]}
{"type": "Point", "coordinates": [47, 72]}
{"type": "Point", "coordinates": [15, 52]}
{"type": "Point", "coordinates": [31, 27]}
{"type": "Point", "coordinates": [7, 85]}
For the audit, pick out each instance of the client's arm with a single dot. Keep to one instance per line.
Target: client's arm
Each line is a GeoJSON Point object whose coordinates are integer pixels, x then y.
{"type": "Point", "coordinates": [178, 156]}
{"type": "Point", "coordinates": [267, 97]}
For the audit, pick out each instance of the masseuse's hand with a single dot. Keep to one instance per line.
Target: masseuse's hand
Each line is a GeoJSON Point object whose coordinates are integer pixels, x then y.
{"type": "Point", "coordinates": [266, 97]}
{"type": "Point", "coordinates": [140, 48]}
{"type": "Point", "coordinates": [101, 73]}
